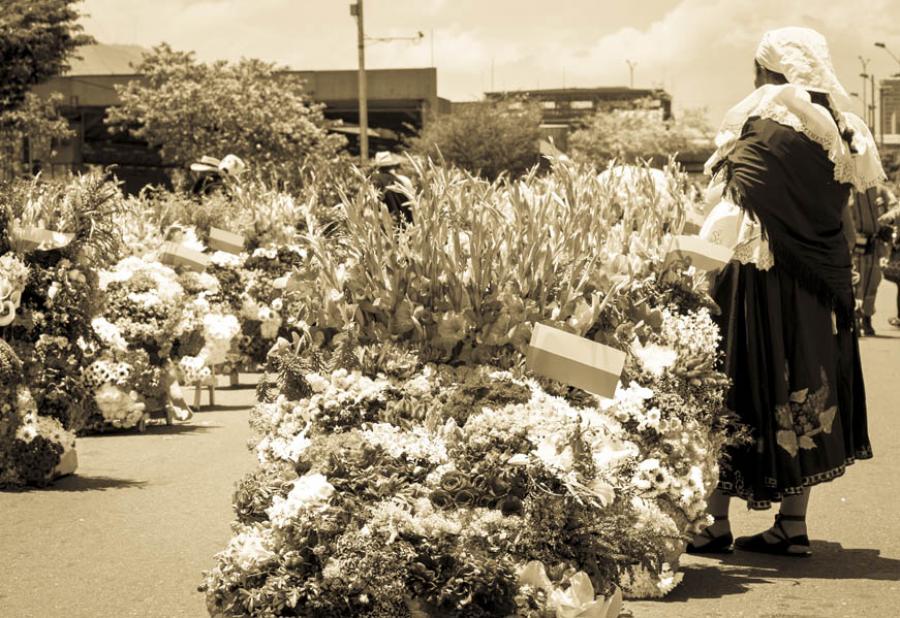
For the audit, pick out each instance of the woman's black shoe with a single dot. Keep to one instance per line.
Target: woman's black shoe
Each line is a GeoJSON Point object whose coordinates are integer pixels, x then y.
{"type": "Point", "coordinates": [723, 544]}
{"type": "Point", "coordinates": [792, 546]}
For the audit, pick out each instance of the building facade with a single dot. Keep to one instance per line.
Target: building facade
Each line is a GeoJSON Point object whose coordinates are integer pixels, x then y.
{"type": "Point", "coordinates": [399, 100]}
{"type": "Point", "coordinates": [571, 106]}
{"type": "Point", "coordinates": [889, 125]}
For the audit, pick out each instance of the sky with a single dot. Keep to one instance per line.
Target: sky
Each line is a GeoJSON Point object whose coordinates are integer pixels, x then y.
{"type": "Point", "coordinates": [700, 51]}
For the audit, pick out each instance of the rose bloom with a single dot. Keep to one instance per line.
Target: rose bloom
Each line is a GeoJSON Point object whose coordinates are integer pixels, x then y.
{"type": "Point", "coordinates": [464, 498]}
{"type": "Point", "coordinates": [453, 481]}
{"type": "Point", "coordinates": [441, 499]}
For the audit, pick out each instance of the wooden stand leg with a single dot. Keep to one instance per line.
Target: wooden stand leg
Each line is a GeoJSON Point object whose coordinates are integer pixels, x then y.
{"type": "Point", "coordinates": [198, 391]}
{"type": "Point", "coordinates": [212, 386]}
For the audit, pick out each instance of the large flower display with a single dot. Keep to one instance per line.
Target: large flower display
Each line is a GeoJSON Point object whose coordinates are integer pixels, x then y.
{"type": "Point", "coordinates": [160, 331]}
{"type": "Point", "coordinates": [409, 464]}
{"type": "Point", "coordinates": [52, 241]}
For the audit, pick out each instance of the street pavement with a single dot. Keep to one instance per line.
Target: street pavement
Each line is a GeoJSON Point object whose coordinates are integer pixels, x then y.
{"type": "Point", "coordinates": [853, 522]}
{"type": "Point", "coordinates": [132, 532]}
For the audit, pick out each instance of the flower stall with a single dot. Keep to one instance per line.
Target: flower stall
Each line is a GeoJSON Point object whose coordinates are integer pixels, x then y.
{"type": "Point", "coordinates": [411, 465]}
{"type": "Point", "coordinates": [52, 242]}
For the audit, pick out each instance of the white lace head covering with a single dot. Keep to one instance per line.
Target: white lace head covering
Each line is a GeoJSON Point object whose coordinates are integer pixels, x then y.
{"type": "Point", "coordinates": [802, 56]}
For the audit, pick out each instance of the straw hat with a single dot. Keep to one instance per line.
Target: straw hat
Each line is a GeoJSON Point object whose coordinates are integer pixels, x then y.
{"type": "Point", "coordinates": [387, 159]}
{"type": "Point", "coordinates": [206, 164]}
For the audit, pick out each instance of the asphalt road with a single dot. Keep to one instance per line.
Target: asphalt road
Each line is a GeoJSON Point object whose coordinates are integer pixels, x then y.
{"type": "Point", "coordinates": [131, 534]}
{"type": "Point", "coordinates": [854, 526]}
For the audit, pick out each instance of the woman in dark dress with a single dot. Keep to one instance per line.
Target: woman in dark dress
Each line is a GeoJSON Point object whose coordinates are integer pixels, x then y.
{"type": "Point", "coordinates": [788, 156]}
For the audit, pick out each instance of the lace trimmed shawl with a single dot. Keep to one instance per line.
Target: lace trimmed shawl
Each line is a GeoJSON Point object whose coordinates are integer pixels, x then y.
{"type": "Point", "coordinates": [792, 106]}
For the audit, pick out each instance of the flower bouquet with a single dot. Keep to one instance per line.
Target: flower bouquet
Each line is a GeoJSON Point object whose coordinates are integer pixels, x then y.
{"type": "Point", "coordinates": [34, 449]}
{"type": "Point", "coordinates": [409, 465]}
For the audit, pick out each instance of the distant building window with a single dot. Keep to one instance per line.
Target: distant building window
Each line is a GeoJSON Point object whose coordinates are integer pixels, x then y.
{"type": "Point", "coordinates": [548, 104]}
{"type": "Point", "coordinates": [582, 105]}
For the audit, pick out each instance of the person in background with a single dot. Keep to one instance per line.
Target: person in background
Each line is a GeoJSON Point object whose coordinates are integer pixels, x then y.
{"type": "Point", "coordinates": [211, 173]}
{"type": "Point", "coordinates": [892, 218]}
{"type": "Point", "coordinates": [869, 244]}
{"type": "Point", "coordinates": [388, 181]}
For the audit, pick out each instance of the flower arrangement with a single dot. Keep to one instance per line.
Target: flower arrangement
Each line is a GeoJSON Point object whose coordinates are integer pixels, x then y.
{"type": "Point", "coordinates": [32, 446]}
{"type": "Point", "coordinates": [51, 332]}
{"type": "Point", "coordinates": [13, 277]}
{"type": "Point", "coordinates": [409, 465]}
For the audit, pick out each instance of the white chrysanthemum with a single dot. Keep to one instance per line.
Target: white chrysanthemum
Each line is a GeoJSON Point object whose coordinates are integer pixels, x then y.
{"type": "Point", "coordinates": [309, 492]}
{"type": "Point", "coordinates": [109, 334]}
{"type": "Point", "coordinates": [191, 241]}
{"type": "Point", "coordinates": [224, 259]}
{"type": "Point", "coordinates": [653, 357]}
{"type": "Point", "coordinates": [251, 550]}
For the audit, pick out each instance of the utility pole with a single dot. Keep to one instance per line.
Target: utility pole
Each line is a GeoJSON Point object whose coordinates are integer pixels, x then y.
{"type": "Point", "coordinates": [432, 47]}
{"type": "Point", "coordinates": [357, 11]}
{"type": "Point", "coordinates": [872, 105]}
{"type": "Point", "coordinates": [865, 78]}
{"type": "Point", "coordinates": [631, 66]}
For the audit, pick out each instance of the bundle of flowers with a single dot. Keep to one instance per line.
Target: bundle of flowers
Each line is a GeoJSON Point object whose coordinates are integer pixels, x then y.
{"type": "Point", "coordinates": [34, 449]}
{"type": "Point", "coordinates": [162, 326]}
{"type": "Point", "coordinates": [13, 277]}
{"type": "Point", "coordinates": [145, 321]}
{"type": "Point", "coordinates": [64, 233]}
{"type": "Point", "coordinates": [408, 462]}
{"type": "Point", "coordinates": [264, 275]}
{"type": "Point", "coordinates": [484, 261]}
{"type": "Point", "coordinates": [396, 484]}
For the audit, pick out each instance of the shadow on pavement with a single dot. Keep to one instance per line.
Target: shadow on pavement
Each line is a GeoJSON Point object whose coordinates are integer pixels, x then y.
{"type": "Point", "coordinates": [830, 560]}
{"type": "Point", "coordinates": [221, 408]}
{"type": "Point", "coordinates": [737, 573]}
{"type": "Point", "coordinates": [93, 483]}
{"type": "Point", "coordinates": [169, 430]}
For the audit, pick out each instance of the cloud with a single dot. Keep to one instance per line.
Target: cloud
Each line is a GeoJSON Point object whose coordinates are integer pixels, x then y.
{"type": "Point", "coordinates": [703, 51]}
{"type": "Point", "coordinates": [699, 50]}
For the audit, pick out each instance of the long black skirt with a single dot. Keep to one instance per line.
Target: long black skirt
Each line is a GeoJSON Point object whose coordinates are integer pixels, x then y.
{"type": "Point", "coordinates": [797, 386]}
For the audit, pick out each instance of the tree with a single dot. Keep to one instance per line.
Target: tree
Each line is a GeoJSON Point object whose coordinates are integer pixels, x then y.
{"type": "Point", "coordinates": [486, 138]}
{"type": "Point", "coordinates": [189, 109]}
{"type": "Point", "coordinates": [632, 135]}
{"type": "Point", "coordinates": [36, 38]}
{"type": "Point", "coordinates": [36, 120]}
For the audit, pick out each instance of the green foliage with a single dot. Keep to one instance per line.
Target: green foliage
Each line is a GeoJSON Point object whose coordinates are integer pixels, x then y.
{"type": "Point", "coordinates": [190, 109]}
{"type": "Point", "coordinates": [36, 37]}
{"type": "Point", "coordinates": [634, 135]}
{"type": "Point", "coordinates": [89, 207]}
{"type": "Point", "coordinates": [483, 260]}
{"type": "Point", "coordinates": [487, 139]}
{"type": "Point", "coordinates": [35, 118]}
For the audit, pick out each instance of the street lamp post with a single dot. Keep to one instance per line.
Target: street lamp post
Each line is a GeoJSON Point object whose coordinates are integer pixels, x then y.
{"type": "Point", "coordinates": [865, 79]}
{"type": "Point", "coordinates": [631, 66]}
{"type": "Point", "coordinates": [889, 52]}
{"type": "Point", "coordinates": [356, 10]}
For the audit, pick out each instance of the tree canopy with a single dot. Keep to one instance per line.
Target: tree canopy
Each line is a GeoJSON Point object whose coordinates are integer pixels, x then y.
{"type": "Point", "coordinates": [249, 108]}
{"type": "Point", "coordinates": [36, 39]}
{"type": "Point", "coordinates": [632, 135]}
{"type": "Point", "coordinates": [486, 138]}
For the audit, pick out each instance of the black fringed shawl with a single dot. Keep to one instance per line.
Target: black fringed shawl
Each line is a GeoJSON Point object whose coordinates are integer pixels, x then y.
{"type": "Point", "coordinates": [786, 181]}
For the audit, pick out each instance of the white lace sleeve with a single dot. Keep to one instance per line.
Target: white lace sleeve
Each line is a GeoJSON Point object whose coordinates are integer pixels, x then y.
{"type": "Point", "coordinates": [729, 226]}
